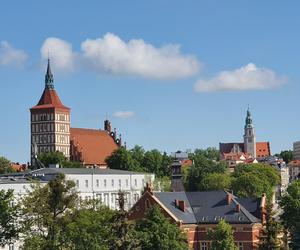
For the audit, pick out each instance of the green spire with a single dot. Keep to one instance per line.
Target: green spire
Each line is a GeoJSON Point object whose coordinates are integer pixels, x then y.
{"type": "Point", "coordinates": [248, 120]}
{"type": "Point", "coordinates": [49, 77]}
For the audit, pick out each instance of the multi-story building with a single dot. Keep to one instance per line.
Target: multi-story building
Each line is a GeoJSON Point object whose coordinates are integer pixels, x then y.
{"type": "Point", "coordinates": [296, 149]}
{"type": "Point", "coordinates": [50, 122]}
{"type": "Point", "coordinates": [102, 184]}
{"type": "Point", "coordinates": [294, 170]}
{"type": "Point", "coordinates": [198, 212]}
{"type": "Point", "coordinates": [51, 131]}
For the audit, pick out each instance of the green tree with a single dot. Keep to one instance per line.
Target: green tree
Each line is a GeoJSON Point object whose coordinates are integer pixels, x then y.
{"type": "Point", "coordinates": [123, 233]}
{"type": "Point", "coordinates": [216, 181]}
{"type": "Point", "coordinates": [157, 232]}
{"type": "Point", "coordinates": [209, 153]}
{"type": "Point", "coordinates": [269, 236]}
{"type": "Point", "coordinates": [48, 158]}
{"type": "Point", "coordinates": [88, 227]}
{"type": "Point", "coordinates": [252, 180]}
{"type": "Point", "coordinates": [122, 159]}
{"type": "Point", "coordinates": [5, 166]}
{"type": "Point", "coordinates": [157, 163]}
{"type": "Point", "coordinates": [222, 237]}
{"type": "Point", "coordinates": [286, 155]}
{"type": "Point", "coordinates": [8, 218]}
{"type": "Point", "coordinates": [43, 213]}
{"type": "Point", "coordinates": [138, 153]}
{"type": "Point", "coordinates": [290, 204]}
{"type": "Point", "coordinates": [162, 184]}
{"type": "Point", "coordinates": [201, 168]}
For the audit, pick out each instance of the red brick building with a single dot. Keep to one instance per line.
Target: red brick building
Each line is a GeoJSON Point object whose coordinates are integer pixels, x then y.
{"type": "Point", "coordinates": [51, 131]}
{"type": "Point", "coordinates": [196, 212]}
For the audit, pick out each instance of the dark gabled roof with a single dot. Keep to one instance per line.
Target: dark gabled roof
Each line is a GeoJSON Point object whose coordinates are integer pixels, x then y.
{"type": "Point", "coordinates": [210, 207]}
{"type": "Point", "coordinates": [168, 200]}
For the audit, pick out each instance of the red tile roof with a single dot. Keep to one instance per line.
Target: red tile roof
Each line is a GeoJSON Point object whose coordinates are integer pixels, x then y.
{"type": "Point", "coordinates": [50, 99]}
{"type": "Point", "coordinates": [263, 149]}
{"type": "Point", "coordinates": [91, 146]}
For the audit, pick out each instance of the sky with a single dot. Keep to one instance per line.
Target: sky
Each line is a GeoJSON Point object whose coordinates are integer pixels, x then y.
{"type": "Point", "coordinates": [171, 75]}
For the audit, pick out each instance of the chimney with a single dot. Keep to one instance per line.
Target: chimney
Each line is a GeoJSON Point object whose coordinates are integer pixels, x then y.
{"type": "Point", "coordinates": [181, 205]}
{"type": "Point", "coordinates": [263, 208]}
{"type": "Point", "coordinates": [107, 126]}
{"type": "Point", "coordinates": [237, 208]}
{"type": "Point", "coordinates": [148, 188]}
{"type": "Point", "coordinates": [228, 198]}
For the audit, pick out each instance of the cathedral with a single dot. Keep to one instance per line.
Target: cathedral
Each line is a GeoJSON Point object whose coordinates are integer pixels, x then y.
{"type": "Point", "coordinates": [51, 131]}
{"type": "Point", "coordinates": [250, 147]}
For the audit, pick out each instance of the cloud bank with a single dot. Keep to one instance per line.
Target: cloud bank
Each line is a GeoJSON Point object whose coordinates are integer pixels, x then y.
{"type": "Point", "coordinates": [60, 52]}
{"type": "Point", "coordinates": [10, 56]}
{"type": "Point", "coordinates": [136, 57]}
{"type": "Point", "coordinates": [248, 77]}
{"type": "Point", "coordinates": [111, 55]}
{"type": "Point", "coordinates": [124, 114]}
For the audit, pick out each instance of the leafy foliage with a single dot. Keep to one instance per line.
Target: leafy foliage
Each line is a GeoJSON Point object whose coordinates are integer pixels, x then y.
{"type": "Point", "coordinates": [137, 159]}
{"type": "Point", "coordinates": [290, 203]}
{"type": "Point", "coordinates": [251, 180]}
{"type": "Point", "coordinates": [216, 181]}
{"type": "Point", "coordinates": [269, 239]}
{"type": "Point", "coordinates": [88, 227]}
{"type": "Point", "coordinates": [43, 213]}
{"type": "Point", "coordinates": [48, 158]}
{"type": "Point", "coordinates": [286, 155]}
{"type": "Point", "coordinates": [8, 218]}
{"type": "Point", "coordinates": [162, 184]}
{"type": "Point", "coordinates": [5, 166]}
{"type": "Point", "coordinates": [222, 237]}
{"type": "Point", "coordinates": [157, 232]}
{"type": "Point", "coordinates": [209, 153]}
{"type": "Point", "coordinates": [201, 168]}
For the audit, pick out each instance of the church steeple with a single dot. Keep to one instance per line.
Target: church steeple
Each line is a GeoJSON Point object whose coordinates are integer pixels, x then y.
{"type": "Point", "coordinates": [49, 77]}
{"type": "Point", "coordinates": [249, 136]}
{"type": "Point", "coordinates": [248, 120]}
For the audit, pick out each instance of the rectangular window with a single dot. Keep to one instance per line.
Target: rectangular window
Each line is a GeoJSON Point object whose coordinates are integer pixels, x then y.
{"type": "Point", "coordinates": [86, 183]}
{"type": "Point", "coordinates": [126, 182]}
{"type": "Point", "coordinates": [97, 183]}
{"type": "Point", "coordinates": [104, 182]}
{"type": "Point", "coordinates": [240, 246]}
{"type": "Point", "coordinates": [135, 182]}
{"type": "Point", "coordinates": [77, 183]}
{"type": "Point", "coordinates": [203, 246]}
{"type": "Point", "coordinates": [112, 183]}
{"type": "Point", "coordinates": [120, 183]}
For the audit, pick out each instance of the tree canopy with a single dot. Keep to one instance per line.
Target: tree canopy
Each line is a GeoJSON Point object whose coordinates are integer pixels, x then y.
{"type": "Point", "coordinates": [286, 155]}
{"type": "Point", "coordinates": [222, 237]}
{"type": "Point", "coordinates": [290, 203]}
{"type": "Point", "coordinates": [43, 211]}
{"type": "Point", "coordinates": [157, 232]}
{"type": "Point", "coordinates": [8, 218]}
{"type": "Point", "coordinates": [48, 158]}
{"type": "Point", "coordinates": [5, 166]}
{"type": "Point", "coordinates": [137, 159]}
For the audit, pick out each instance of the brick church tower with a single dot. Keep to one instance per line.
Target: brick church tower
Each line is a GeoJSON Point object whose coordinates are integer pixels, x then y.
{"type": "Point", "coordinates": [50, 122]}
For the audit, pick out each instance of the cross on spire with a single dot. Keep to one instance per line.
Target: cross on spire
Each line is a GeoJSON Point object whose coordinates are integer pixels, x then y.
{"type": "Point", "coordinates": [49, 77]}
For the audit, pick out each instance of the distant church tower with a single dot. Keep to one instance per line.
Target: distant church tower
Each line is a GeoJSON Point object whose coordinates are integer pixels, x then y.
{"type": "Point", "coordinates": [249, 136]}
{"type": "Point", "coordinates": [50, 122]}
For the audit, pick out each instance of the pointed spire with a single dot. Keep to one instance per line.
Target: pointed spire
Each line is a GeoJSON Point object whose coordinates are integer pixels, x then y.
{"type": "Point", "coordinates": [49, 77]}
{"type": "Point", "coordinates": [248, 119]}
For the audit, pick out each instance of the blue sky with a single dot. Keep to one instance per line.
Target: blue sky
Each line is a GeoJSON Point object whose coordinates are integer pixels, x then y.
{"type": "Point", "coordinates": [170, 74]}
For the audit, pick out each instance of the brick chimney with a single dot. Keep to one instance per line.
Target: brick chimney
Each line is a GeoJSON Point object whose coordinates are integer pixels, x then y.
{"type": "Point", "coordinates": [237, 208]}
{"type": "Point", "coordinates": [263, 208]}
{"type": "Point", "coordinates": [181, 205]}
{"type": "Point", "coordinates": [228, 198]}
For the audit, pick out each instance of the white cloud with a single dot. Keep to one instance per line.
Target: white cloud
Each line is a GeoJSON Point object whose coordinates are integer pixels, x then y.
{"type": "Point", "coordinates": [111, 54]}
{"type": "Point", "coordinates": [248, 77]}
{"type": "Point", "coordinates": [10, 56]}
{"type": "Point", "coordinates": [60, 52]}
{"type": "Point", "coordinates": [124, 114]}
